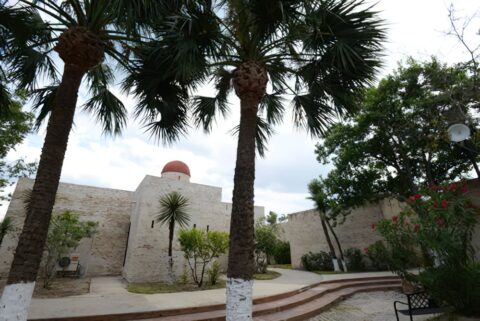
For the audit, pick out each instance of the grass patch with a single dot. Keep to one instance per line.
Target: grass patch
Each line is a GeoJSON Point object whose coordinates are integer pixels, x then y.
{"type": "Point", "coordinates": [152, 288]}
{"type": "Point", "coordinates": [281, 266]}
{"type": "Point", "coordinates": [270, 275]}
{"type": "Point", "coordinates": [326, 272]}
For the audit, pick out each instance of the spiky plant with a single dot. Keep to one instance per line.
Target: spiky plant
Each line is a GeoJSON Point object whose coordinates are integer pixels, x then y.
{"type": "Point", "coordinates": [89, 36]}
{"type": "Point", "coordinates": [319, 54]}
{"type": "Point", "coordinates": [173, 212]}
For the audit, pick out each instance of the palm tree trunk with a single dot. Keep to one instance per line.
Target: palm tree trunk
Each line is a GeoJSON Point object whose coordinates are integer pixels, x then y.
{"type": "Point", "coordinates": [329, 242]}
{"type": "Point", "coordinates": [342, 258]}
{"type": "Point", "coordinates": [241, 263]}
{"type": "Point", "coordinates": [28, 255]}
{"type": "Point", "coordinates": [170, 254]}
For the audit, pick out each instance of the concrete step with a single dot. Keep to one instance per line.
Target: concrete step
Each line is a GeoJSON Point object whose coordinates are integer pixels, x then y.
{"type": "Point", "coordinates": [315, 307]}
{"type": "Point", "coordinates": [263, 307]}
{"type": "Point", "coordinates": [297, 305]}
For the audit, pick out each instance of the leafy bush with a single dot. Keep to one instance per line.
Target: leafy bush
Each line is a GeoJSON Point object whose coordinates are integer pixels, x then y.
{"type": "Point", "coordinates": [456, 285]}
{"type": "Point", "coordinates": [438, 225]}
{"type": "Point", "coordinates": [265, 240]}
{"type": "Point", "coordinates": [213, 273]}
{"type": "Point", "coordinates": [200, 248]}
{"type": "Point", "coordinates": [378, 256]}
{"type": "Point", "coordinates": [321, 261]}
{"type": "Point", "coordinates": [64, 234]}
{"type": "Point", "coordinates": [355, 259]}
{"type": "Point", "coordinates": [281, 254]}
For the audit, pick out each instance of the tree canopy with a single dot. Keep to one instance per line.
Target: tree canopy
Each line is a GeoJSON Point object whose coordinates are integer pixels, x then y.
{"type": "Point", "coordinates": [398, 141]}
{"type": "Point", "coordinates": [15, 124]}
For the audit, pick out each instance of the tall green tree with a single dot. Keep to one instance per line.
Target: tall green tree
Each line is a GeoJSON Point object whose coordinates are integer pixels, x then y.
{"type": "Point", "coordinates": [89, 37]}
{"type": "Point", "coordinates": [318, 196]}
{"type": "Point", "coordinates": [173, 211]}
{"type": "Point", "coordinates": [15, 124]}
{"type": "Point", "coordinates": [398, 142]}
{"type": "Point", "coordinates": [319, 53]}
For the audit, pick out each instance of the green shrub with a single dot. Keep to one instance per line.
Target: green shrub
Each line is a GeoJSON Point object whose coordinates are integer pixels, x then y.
{"type": "Point", "coordinates": [213, 273]}
{"type": "Point", "coordinates": [355, 259]}
{"type": "Point", "coordinates": [321, 261]}
{"type": "Point", "coordinates": [378, 256]}
{"type": "Point", "coordinates": [281, 254]}
{"type": "Point", "coordinates": [455, 285]}
{"type": "Point", "coordinates": [201, 247]}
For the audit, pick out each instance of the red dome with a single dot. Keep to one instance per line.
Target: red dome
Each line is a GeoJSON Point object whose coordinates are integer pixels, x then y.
{"type": "Point", "coordinates": [177, 167]}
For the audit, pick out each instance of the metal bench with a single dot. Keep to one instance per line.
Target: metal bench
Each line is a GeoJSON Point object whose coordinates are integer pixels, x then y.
{"type": "Point", "coordinates": [418, 303]}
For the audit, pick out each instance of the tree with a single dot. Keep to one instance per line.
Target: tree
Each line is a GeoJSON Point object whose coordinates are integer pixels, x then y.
{"type": "Point", "coordinates": [321, 53]}
{"type": "Point", "coordinates": [398, 142]}
{"type": "Point", "coordinates": [173, 211]}
{"type": "Point", "coordinates": [15, 124]}
{"type": "Point", "coordinates": [5, 227]}
{"type": "Point", "coordinates": [318, 196]}
{"type": "Point", "coordinates": [83, 33]}
{"type": "Point", "coordinates": [200, 248]}
{"type": "Point", "coordinates": [265, 244]}
{"type": "Point", "coordinates": [64, 235]}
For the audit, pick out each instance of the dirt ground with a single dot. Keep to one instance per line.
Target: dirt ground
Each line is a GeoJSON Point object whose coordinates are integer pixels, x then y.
{"type": "Point", "coordinates": [60, 288]}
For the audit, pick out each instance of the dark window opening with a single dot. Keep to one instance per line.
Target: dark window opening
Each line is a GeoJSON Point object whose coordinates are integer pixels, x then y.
{"type": "Point", "coordinates": [153, 223]}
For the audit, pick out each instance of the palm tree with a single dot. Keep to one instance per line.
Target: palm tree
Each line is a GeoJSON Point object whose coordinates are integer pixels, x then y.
{"type": "Point", "coordinates": [320, 53]}
{"type": "Point", "coordinates": [89, 36]}
{"type": "Point", "coordinates": [318, 196]}
{"type": "Point", "coordinates": [173, 211]}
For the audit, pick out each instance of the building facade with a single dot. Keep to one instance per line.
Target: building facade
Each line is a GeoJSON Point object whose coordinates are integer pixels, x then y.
{"type": "Point", "coordinates": [128, 241]}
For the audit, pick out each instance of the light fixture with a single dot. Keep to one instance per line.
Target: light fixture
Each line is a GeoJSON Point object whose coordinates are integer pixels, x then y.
{"type": "Point", "coordinates": [458, 132]}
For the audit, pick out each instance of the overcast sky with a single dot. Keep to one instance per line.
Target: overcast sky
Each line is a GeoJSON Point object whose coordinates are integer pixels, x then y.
{"type": "Point", "coordinates": [415, 28]}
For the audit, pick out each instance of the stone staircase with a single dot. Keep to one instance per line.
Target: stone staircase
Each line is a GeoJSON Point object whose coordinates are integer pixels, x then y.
{"type": "Point", "coordinates": [295, 305]}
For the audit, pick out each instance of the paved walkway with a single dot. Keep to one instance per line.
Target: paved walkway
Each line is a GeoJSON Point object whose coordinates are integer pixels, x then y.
{"type": "Point", "coordinates": [369, 306]}
{"type": "Point", "coordinates": [109, 295]}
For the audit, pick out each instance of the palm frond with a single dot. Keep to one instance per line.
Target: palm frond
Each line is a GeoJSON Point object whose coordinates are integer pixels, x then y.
{"type": "Point", "coordinates": [273, 107]}
{"type": "Point", "coordinates": [263, 132]}
{"type": "Point", "coordinates": [43, 103]}
{"type": "Point", "coordinates": [312, 113]}
{"type": "Point", "coordinates": [173, 208]}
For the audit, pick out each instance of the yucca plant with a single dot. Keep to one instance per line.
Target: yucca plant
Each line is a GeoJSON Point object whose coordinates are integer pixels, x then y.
{"type": "Point", "coordinates": [90, 36]}
{"type": "Point", "coordinates": [173, 211]}
{"type": "Point", "coordinates": [319, 54]}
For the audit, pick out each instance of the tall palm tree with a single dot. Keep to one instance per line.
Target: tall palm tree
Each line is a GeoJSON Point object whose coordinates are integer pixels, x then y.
{"type": "Point", "coordinates": [319, 53]}
{"type": "Point", "coordinates": [318, 196]}
{"type": "Point", "coordinates": [172, 212]}
{"type": "Point", "coordinates": [88, 36]}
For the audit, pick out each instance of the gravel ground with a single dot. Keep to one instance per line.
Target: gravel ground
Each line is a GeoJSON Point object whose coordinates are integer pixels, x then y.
{"type": "Point", "coordinates": [370, 306]}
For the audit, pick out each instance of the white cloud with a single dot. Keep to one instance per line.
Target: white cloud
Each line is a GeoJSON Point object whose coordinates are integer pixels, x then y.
{"type": "Point", "coordinates": [416, 28]}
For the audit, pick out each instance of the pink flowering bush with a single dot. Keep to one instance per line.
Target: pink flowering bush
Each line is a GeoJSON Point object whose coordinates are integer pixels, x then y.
{"type": "Point", "coordinates": [436, 230]}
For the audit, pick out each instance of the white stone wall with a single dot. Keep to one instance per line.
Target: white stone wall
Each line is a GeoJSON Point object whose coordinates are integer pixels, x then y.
{"type": "Point", "coordinates": [101, 255]}
{"type": "Point", "coordinates": [147, 254]}
{"type": "Point", "coordinates": [305, 234]}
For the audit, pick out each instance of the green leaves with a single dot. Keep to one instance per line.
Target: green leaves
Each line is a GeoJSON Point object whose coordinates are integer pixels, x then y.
{"type": "Point", "coordinates": [397, 142]}
{"type": "Point", "coordinates": [173, 208]}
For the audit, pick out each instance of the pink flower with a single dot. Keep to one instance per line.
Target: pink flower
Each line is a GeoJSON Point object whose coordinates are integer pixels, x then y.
{"type": "Point", "coordinates": [444, 203]}
{"type": "Point", "coordinates": [417, 196]}
{"type": "Point", "coordinates": [395, 219]}
{"type": "Point", "coordinates": [440, 221]}
{"type": "Point", "coordinates": [452, 187]}
{"type": "Point", "coordinates": [464, 189]}
{"type": "Point", "coordinates": [374, 226]}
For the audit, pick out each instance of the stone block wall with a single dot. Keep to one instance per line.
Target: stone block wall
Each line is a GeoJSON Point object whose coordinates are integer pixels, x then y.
{"type": "Point", "coordinates": [103, 254]}
{"type": "Point", "coordinates": [305, 234]}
